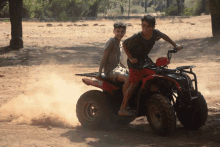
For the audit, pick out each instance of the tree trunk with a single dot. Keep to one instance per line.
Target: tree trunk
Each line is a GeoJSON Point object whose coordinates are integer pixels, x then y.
{"type": "Point", "coordinates": [145, 6]}
{"type": "Point", "coordinates": [122, 9]}
{"type": "Point", "coordinates": [93, 9]}
{"type": "Point", "coordinates": [214, 6]}
{"type": "Point", "coordinates": [179, 7]}
{"type": "Point", "coordinates": [168, 3]}
{"type": "Point", "coordinates": [203, 6]}
{"type": "Point", "coordinates": [15, 9]}
{"type": "Point", "coordinates": [129, 8]}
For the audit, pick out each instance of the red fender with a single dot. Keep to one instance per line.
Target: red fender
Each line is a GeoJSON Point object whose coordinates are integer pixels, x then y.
{"type": "Point", "coordinates": [157, 76]}
{"type": "Point", "coordinates": [163, 61]}
{"type": "Point", "coordinates": [100, 84]}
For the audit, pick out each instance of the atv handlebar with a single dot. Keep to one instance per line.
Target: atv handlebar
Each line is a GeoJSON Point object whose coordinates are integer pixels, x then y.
{"type": "Point", "coordinates": [169, 54]}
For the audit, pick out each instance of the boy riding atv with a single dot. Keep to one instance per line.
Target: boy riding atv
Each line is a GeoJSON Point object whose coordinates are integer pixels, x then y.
{"type": "Point", "coordinates": [137, 49]}
{"type": "Point", "coordinates": [113, 68]}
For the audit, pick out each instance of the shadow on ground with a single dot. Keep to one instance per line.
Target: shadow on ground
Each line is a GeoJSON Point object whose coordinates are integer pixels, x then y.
{"type": "Point", "coordinates": [90, 54]}
{"type": "Point", "coordinates": [28, 56]}
{"type": "Point", "coordinates": [142, 135]}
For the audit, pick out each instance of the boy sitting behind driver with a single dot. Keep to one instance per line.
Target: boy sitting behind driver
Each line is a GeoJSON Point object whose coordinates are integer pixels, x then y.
{"type": "Point", "coordinates": [113, 68]}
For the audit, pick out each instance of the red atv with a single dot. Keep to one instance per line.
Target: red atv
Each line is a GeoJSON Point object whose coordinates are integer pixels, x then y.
{"type": "Point", "coordinates": [161, 96]}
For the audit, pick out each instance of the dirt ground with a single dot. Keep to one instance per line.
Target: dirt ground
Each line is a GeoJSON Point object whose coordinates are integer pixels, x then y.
{"type": "Point", "coordinates": [39, 88]}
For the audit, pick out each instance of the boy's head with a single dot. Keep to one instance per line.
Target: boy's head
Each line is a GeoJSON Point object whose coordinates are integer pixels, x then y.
{"type": "Point", "coordinates": [148, 24]}
{"type": "Point", "coordinates": [119, 30]}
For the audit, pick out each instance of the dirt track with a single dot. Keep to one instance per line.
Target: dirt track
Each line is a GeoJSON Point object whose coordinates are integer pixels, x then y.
{"type": "Point", "coordinates": [38, 83]}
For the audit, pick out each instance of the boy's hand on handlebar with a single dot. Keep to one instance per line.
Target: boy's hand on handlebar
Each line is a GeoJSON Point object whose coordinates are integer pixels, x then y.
{"type": "Point", "coordinates": [178, 47]}
{"type": "Point", "coordinates": [133, 60]}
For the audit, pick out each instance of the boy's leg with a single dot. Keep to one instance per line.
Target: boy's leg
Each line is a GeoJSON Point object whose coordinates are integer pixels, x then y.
{"type": "Point", "coordinates": [134, 77]}
{"type": "Point", "coordinates": [125, 86]}
{"type": "Point", "coordinates": [123, 78]}
{"type": "Point", "coordinates": [122, 75]}
{"type": "Point", "coordinates": [127, 95]}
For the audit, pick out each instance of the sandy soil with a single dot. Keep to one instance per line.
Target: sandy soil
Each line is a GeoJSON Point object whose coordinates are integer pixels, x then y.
{"type": "Point", "coordinates": [39, 88]}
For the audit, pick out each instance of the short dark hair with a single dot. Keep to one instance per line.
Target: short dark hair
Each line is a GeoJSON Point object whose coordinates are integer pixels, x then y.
{"type": "Point", "coordinates": [150, 19]}
{"type": "Point", "coordinates": [120, 24]}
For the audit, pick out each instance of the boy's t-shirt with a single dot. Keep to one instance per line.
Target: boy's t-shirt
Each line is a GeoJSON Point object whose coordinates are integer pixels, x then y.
{"type": "Point", "coordinates": [139, 47]}
{"type": "Point", "coordinates": [113, 59]}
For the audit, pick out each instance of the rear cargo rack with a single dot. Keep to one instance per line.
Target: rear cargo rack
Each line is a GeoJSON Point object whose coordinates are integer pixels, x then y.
{"type": "Point", "coordinates": [190, 82]}
{"type": "Point", "coordinates": [92, 74]}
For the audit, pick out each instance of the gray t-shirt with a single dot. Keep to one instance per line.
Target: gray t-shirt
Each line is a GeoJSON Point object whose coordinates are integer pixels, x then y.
{"type": "Point", "coordinates": [113, 59]}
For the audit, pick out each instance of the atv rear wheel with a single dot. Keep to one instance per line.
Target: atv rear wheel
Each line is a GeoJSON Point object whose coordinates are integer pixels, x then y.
{"type": "Point", "coordinates": [94, 111]}
{"type": "Point", "coordinates": [195, 116]}
{"type": "Point", "coordinates": [160, 114]}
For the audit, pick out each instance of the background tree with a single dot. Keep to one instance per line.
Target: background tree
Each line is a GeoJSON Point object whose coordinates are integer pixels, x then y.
{"type": "Point", "coordinates": [93, 9]}
{"type": "Point", "coordinates": [168, 3]}
{"type": "Point", "coordinates": [104, 6]}
{"type": "Point", "coordinates": [145, 5]}
{"type": "Point", "coordinates": [214, 6]}
{"type": "Point", "coordinates": [180, 5]}
{"type": "Point", "coordinates": [15, 9]}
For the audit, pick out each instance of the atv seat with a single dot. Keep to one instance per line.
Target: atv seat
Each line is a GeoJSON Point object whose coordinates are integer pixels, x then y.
{"type": "Point", "coordinates": [116, 83]}
{"type": "Point", "coordinates": [103, 77]}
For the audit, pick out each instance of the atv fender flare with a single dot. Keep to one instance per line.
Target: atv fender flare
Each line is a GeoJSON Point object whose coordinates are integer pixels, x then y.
{"type": "Point", "coordinates": [100, 84]}
{"type": "Point", "coordinates": [158, 76]}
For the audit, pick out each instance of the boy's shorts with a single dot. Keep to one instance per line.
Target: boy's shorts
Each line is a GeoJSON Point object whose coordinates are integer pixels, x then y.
{"type": "Point", "coordinates": [116, 71]}
{"type": "Point", "coordinates": [136, 75]}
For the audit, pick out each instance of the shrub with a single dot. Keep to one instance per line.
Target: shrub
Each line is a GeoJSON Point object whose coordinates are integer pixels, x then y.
{"type": "Point", "coordinates": [134, 11]}
{"type": "Point", "coordinates": [4, 13]}
{"type": "Point", "coordinates": [150, 9]}
{"type": "Point", "coordinates": [188, 11]}
{"type": "Point", "coordinates": [196, 7]}
{"type": "Point", "coordinates": [199, 8]}
{"type": "Point", "coordinates": [172, 10]}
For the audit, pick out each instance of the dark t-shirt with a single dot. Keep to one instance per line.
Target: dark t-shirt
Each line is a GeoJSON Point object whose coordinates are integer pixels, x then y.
{"type": "Point", "coordinates": [139, 47]}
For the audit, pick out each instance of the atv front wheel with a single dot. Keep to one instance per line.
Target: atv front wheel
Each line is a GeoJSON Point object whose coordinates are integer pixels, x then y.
{"type": "Point", "coordinates": [195, 116]}
{"type": "Point", "coordinates": [160, 114]}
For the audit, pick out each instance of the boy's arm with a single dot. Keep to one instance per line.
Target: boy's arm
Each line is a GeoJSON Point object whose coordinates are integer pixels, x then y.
{"type": "Point", "coordinates": [167, 39]}
{"type": "Point", "coordinates": [108, 46]}
{"type": "Point", "coordinates": [133, 60]}
{"type": "Point", "coordinates": [105, 55]}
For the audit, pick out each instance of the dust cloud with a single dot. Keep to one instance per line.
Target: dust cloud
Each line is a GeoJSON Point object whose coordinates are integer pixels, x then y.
{"type": "Point", "coordinates": [50, 101]}
{"type": "Point", "coordinates": [210, 92]}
